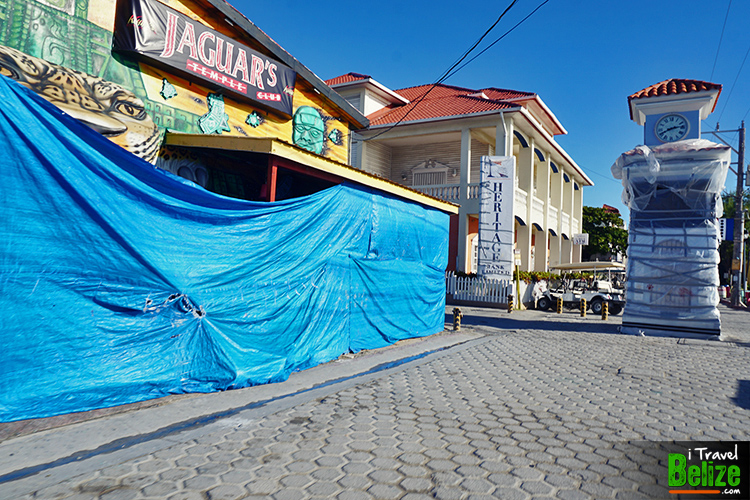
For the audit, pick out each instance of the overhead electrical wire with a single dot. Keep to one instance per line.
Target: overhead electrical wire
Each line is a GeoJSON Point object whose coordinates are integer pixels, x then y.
{"type": "Point", "coordinates": [721, 37]}
{"type": "Point", "coordinates": [733, 84]}
{"type": "Point", "coordinates": [484, 35]}
{"type": "Point", "coordinates": [445, 75]}
{"type": "Point", "coordinates": [454, 68]}
{"type": "Point", "coordinates": [496, 41]}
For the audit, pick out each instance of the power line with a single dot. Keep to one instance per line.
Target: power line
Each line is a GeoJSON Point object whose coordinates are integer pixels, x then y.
{"type": "Point", "coordinates": [733, 84]}
{"type": "Point", "coordinates": [609, 178]}
{"type": "Point", "coordinates": [503, 36]}
{"type": "Point", "coordinates": [452, 70]}
{"type": "Point", "coordinates": [721, 37]}
{"type": "Point", "coordinates": [484, 35]}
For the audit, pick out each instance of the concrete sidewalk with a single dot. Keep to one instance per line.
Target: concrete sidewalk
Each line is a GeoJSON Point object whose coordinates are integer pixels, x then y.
{"type": "Point", "coordinates": [54, 438]}
{"type": "Point", "coordinates": [532, 403]}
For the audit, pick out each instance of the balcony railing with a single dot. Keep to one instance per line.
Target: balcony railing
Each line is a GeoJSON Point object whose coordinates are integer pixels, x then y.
{"type": "Point", "coordinates": [552, 220]}
{"type": "Point", "coordinates": [446, 192]}
{"type": "Point", "coordinates": [449, 192]}
{"type": "Point", "coordinates": [537, 210]}
{"type": "Point", "coordinates": [519, 203]}
{"type": "Point", "coordinates": [565, 224]}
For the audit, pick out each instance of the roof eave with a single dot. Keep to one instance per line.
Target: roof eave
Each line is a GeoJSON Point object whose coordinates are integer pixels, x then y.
{"type": "Point", "coordinates": [525, 113]}
{"type": "Point", "coordinates": [520, 109]}
{"type": "Point", "coordinates": [278, 147]}
{"type": "Point", "coordinates": [235, 17]}
{"type": "Point", "coordinates": [545, 109]}
{"type": "Point", "coordinates": [447, 118]}
{"type": "Point", "coordinates": [379, 88]}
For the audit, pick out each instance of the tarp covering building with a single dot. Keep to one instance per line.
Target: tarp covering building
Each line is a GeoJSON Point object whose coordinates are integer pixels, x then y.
{"type": "Point", "coordinates": [120, 282]}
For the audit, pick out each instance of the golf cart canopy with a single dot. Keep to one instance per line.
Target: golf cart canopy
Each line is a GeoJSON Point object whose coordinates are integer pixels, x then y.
{"type": "Point", "coordinates": [591, 266]}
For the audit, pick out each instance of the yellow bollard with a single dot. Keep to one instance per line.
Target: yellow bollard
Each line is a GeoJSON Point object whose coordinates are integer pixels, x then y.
{"type": "Point", "coordinates": [583, 307]}
{"type": "Point", "coordinates": [457, 318]}
{"type": "Point", "coordinates": [559, 305]}
{"type": "Point", "coordinates": [510, 303]}
{"type": "Point", "coordinates": [605, 310]}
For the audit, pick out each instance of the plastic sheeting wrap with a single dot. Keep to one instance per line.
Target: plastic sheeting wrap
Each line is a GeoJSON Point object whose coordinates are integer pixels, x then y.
{"type": "Point", "coordinates": [673, 192]}
{"type": "Point", "coordinates": [120, 282]}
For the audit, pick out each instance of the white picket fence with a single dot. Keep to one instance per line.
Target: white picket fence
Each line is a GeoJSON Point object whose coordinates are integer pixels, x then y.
{"type": "Point", "coordinates": [478, 289]}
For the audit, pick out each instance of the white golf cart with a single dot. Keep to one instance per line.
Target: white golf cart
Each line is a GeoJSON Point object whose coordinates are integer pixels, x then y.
{"type": "Point", "coordinates": [605, 285]}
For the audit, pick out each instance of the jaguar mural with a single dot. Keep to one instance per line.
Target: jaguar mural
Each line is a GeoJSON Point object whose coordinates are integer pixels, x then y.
{"type": "Point", "coordinates": [104, 106]}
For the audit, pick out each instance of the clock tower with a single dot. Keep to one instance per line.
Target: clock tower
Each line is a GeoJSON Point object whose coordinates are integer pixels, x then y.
{"type": "Point", "coordinates": [672, 110]}
{"type": "Point", "coordinates": [672, 185]}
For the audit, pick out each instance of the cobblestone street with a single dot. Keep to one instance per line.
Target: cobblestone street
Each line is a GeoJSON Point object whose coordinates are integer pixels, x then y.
{"type": "Point", "coordinates": [527, 405]}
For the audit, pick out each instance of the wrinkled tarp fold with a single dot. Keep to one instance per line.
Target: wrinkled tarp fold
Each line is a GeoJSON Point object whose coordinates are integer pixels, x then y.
{"type": "Point", "coordinates": [120, 282]}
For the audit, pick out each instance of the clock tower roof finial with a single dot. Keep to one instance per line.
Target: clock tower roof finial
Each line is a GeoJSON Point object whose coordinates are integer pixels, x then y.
{"type": "Point", "coordinates": [693, 94]}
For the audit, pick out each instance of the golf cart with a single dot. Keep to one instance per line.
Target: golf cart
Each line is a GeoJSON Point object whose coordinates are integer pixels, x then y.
{"type": "Point", "coordinates": [604, 286]}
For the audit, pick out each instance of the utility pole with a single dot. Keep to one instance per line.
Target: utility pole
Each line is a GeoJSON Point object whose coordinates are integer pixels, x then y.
{"type": "Point", "coordinates": [739, 221]}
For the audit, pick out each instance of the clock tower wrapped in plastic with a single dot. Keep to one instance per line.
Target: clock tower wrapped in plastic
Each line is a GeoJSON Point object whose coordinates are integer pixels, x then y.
{"type": "Point", "coordinates": [674, 194]}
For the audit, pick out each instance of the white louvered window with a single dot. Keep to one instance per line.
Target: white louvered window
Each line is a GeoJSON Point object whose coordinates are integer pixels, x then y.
{"type": "Point", "coordinates": [430, 178]}
{"type": "Point", "coordinates": [431, 174]}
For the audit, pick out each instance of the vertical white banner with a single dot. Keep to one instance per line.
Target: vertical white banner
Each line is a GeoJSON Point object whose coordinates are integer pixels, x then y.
{"type": "Point", "coordinates": [496, 221]}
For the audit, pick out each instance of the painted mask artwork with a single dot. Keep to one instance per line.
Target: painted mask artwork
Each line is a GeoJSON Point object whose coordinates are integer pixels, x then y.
{"type": "Point", "coordinates": [309, 129]}
{"type": "Point", "coordinates": [104, 106]}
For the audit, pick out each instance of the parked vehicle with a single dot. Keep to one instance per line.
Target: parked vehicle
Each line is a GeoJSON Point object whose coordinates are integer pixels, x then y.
{"type": "Point", "coordinates": [604, 286]}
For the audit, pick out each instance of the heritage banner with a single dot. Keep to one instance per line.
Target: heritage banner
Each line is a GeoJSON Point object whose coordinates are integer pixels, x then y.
{"type": "Point", "coordinates": [496, 221]}
{"type": "Point", "coordinates": [161, 35]}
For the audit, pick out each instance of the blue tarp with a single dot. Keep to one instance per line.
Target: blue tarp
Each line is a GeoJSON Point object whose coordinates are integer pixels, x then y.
{"type": "Point", "coordinates": [120, 282]}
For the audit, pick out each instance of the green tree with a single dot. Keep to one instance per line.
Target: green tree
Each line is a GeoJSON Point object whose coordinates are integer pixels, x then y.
{"type": "Point", "coordinates": [606, 230]}
{"type": "Point", "coordinates": [729, 199]}
{"type": "Point", "coordinates": [726, 248]}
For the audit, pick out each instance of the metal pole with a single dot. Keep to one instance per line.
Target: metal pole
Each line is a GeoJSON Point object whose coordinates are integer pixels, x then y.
{"type": "Point", "coordinates": [739, 219]}
{"type": "Point", "coordinates": [744, 260]}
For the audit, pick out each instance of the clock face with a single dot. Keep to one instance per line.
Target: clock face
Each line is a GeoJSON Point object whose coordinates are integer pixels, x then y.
{"type": "Point", "coordinates": [671, 128]}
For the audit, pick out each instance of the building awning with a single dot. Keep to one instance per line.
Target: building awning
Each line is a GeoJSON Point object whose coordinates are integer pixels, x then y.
{"type": "Point", "coordinates": [287, 151]}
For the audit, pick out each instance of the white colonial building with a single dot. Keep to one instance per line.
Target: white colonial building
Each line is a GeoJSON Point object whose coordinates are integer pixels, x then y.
{"type": "Point", "coordinates": [442, 132]}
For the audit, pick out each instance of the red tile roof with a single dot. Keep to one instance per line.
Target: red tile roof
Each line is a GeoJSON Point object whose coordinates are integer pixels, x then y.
{"type": "Point", "coordinates": [347, 78]}
{"type": "Point", "coordinates": [428, 102]}
{"type": "Point", "coordinates": [494, 93]}
{"type": "Point", "coordinates": [675, 86]}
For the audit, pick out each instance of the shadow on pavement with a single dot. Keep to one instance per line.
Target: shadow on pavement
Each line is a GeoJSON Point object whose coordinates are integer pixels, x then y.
{"type": "Point", "coordinates": [742, 398]}
{"type": "Point", "coordinates": [509, 322]}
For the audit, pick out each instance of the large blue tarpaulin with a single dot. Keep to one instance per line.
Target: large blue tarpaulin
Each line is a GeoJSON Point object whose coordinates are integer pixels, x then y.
{"type": "Point", "coordinates": [120, 282]}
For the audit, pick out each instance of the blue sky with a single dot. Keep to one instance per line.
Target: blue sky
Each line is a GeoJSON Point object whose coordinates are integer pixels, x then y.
{"type": "Point", "coordinates": [583, 58]}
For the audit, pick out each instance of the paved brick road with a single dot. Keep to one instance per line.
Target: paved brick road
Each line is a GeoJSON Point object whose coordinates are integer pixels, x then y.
{"type": "Point", "coordinates": [533, 405]}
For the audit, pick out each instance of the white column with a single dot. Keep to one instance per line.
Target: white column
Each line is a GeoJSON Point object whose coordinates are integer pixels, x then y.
{"type": "Point", "coordinates": [463, 214]}
{"type": "Point", "coordinates": [578, 211]}
{"type": "Point", "coordinates": [524, 171]}
{"type": "Point", "coordinates": [501, 139]}
{"type": "Point", "coordinates": [568, 195]}
{"type": "Point", "coordinates": [554, 250]}
{"type": "Point", "coordinates": [556, 197]}
{"type": "Point", "coordinates": [504, 136]}
{"type": "Point", "coordinates": [567, 251]}
{"type": "Point", "coordinates": [541, 259]}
